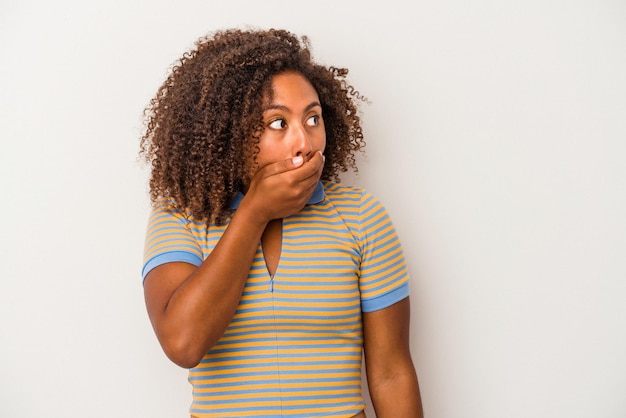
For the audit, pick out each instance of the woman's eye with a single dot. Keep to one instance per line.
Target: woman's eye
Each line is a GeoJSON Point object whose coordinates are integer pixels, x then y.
{"type": "Point", "coordinates": [277, 124]}
{"type": "Point", "coordinates": [313, 120]}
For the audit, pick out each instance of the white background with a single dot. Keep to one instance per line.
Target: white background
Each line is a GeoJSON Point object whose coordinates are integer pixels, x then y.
{"type": "Point", "coordinates": [496, 140]}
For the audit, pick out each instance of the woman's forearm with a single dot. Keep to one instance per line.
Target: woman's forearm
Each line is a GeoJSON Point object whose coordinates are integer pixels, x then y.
{"type": "Point", "coordinates": [397, 396]}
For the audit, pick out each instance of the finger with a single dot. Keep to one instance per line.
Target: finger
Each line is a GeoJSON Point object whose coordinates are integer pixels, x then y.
{"type": "Point", "coordinates": [319, 156]}
{"type": "Point", "coordinates": [283, 166]}
{"type": "Point", "coordinates": [314, 166]}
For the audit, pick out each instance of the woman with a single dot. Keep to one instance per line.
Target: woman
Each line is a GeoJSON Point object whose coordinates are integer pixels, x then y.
{"type": "Point", "coordinates": [264, 275]}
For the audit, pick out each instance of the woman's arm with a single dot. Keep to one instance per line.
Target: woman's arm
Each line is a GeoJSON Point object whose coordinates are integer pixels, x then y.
{"type": "Point", "coordinates": [190, 307]}
{"type": "Point", "coordinates": [391, 376]}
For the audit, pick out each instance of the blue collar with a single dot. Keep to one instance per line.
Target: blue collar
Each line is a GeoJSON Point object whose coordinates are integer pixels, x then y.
{"type": "Point", "coordinates": [317, 196]}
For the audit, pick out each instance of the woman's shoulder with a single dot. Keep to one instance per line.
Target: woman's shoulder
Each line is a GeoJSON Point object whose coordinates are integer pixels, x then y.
{"type": "Point", "coordinates": [341, 191]}
{"type": "Point", "coordinates": [168, 210]}
{"type": "Point", "coordinates": [338, 190]}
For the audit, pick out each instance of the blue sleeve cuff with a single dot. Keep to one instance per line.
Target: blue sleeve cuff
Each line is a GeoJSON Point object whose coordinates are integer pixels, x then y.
{"type": "Point", "coordinates": [385, 300]}
{"type": "Point", "coordinates": [170, 257]}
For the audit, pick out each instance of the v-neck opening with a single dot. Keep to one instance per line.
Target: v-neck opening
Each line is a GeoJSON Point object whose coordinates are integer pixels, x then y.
{"type": "Point", "coordinates": [271, 247]}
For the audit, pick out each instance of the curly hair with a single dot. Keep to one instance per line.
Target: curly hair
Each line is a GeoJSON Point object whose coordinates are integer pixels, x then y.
{"type": "Point", "coordinates": [205, 120]}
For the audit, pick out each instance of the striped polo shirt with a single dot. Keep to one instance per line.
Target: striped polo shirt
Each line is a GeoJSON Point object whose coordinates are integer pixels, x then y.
{"type": "Point", "coordinates": [293, 347]}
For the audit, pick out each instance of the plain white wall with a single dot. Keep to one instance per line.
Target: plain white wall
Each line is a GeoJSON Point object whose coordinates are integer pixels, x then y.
{"type": "Point", "coordinates": [496, 139]}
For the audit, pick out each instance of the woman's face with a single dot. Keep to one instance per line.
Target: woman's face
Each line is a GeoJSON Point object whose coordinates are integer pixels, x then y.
{"type": "Point", "coordinates": [292, 119]}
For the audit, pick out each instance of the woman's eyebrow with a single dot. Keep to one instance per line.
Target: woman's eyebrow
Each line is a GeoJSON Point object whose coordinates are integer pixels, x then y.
{"type": "Point", "coordinates": [312, 105]}
{"type": "Point", "coordinates": [284, 108]}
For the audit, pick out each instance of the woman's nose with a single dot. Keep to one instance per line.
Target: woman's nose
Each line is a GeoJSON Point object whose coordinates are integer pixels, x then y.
{"type": "Point", "coordinates": [301, 143]}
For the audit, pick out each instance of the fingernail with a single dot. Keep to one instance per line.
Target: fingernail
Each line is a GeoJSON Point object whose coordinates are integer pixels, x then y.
{"type": "Point", "coordinates": [297, 161]}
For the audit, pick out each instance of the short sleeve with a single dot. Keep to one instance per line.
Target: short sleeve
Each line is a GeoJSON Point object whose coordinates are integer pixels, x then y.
{"type": "Point", "coordinates": [169, 239]}
{"type": "Point", "coordinates": [384, 276]}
